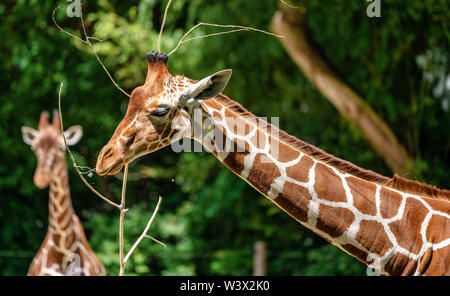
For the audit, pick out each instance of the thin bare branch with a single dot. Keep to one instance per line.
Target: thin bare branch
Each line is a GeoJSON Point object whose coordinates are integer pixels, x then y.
{"type": "Point", "coordinates": [98, 58]}
{"type": "Point", "coordinates": [144, 233]}
{"type": "Point", "coordinates": [162, 25]}
{"type": "Point", "coordinates": [237, 27]}
{"type": "Point", "coordinates": [98, 39]}
{"type": "Point", "coordinates": [289, 5]}
{"type": "Point", "coordinates": [62, 30]}
{"type": "Point", "coordinates": [154, 239]}
{"type": "Point", "coordinates": [213, 34]}
{"type": "Point", "coordinates": [122, 217]}
{"type": "Point", "coordinates": [88, 42]}
{"type": "Point", "coordinates": [85, 170]}
{"type": "Point", "coordinates": [243, 27]}
{"type": "Point", "coordinates": [73, 159]}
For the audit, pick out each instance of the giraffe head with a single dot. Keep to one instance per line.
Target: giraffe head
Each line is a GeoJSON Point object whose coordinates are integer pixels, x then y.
{"type": "Point", "coordinates": [158, 113]}
{"type": "Point", "coordinates": [48, 144]}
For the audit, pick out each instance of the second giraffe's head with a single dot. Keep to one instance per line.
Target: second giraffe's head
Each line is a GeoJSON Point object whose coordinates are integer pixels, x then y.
{"type": "Point", "coordinates": [158, 113]}
{"type": "Point", "coordinates": [48, 144]}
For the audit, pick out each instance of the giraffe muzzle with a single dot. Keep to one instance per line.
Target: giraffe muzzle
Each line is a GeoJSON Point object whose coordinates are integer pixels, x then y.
{"type": "Point", "coordinates": [41, 180]}
{"type": "Point", "coordinates": [109, 161]}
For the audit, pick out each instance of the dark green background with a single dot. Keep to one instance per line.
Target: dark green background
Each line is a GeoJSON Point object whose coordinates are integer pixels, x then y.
{"type": "Point", "coordinates": [210, 218]}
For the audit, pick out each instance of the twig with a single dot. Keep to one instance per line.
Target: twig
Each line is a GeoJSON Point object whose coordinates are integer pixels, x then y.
{"type": "Point", "coordinates": [98, 39]}
{"type": "Point", "coordinates": [154, 239]}
{"type": "Point", "coordinates": [88, 42]}
{"type": "Point", "coordinates": [86, 170]}
{"type": "Point", "coordinates": [213, 34]}
{"type": "Point", "coordinates": [237, 27]}
{"type": "Point", "coordinates": [98, 58]}
{"type": "Point", "coordinates": [289, 5]}
{"type": "Point", "coordinates": [162, 25]}
{"type": "Point", "coordinates": [123, 211]}
{"type": "Point", "coordinates": [144, 233]}
{"type": "Point", "coordinates": [73, 159]}
{"type": "Point", "coordinates": [61, 29]}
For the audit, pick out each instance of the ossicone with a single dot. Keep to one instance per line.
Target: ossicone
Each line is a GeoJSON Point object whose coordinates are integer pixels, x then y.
{"type": "Point", "coordinates": [157, 57]}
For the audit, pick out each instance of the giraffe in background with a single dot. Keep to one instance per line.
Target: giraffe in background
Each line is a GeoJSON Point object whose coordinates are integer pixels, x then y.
{"type": "Point", "coordinates": [395, 226]}
{"type": "Point", "coordinates": [65, 250]}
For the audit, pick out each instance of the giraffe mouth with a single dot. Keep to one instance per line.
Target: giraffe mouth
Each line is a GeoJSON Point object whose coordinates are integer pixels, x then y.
{"type": "Point", "coordinates": [114, 169]}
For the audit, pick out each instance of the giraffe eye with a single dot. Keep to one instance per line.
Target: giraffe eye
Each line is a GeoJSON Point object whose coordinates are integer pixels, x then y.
{"type": "Point", "coordinates": [160, 112]}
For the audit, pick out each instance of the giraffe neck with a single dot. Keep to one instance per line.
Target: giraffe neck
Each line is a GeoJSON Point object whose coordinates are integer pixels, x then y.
{"type": "Point", "coordinates": [366, 219]}
{"type": "Point", "coordinates": [62, 218]}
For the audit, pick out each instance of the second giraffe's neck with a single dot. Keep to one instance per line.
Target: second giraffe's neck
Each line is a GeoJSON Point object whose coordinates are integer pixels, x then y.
{"type": "Point", "coordinates": [61, 213]}
{"type": "Point", "coordinates": [348, 211]}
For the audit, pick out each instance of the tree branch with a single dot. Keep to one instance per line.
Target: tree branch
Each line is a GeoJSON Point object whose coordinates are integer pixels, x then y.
{"type": "Point", "coordinates": [144, 233]}
{"type": "Point", "coordinates": [77, 168]}
{"type": "Point", "coordinates": [88, 42]}
{"type": "Point", "coordinates": [292, 24]}
{"type": "Point", "coordinates": [123, 211]}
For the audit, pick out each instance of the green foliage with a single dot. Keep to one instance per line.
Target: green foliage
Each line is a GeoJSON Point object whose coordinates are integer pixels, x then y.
{"type": "Point", "coordinates": [210, 218]}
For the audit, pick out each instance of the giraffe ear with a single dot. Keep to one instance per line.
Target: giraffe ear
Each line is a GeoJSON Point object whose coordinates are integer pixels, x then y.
{"type": "Point", "coordinates": [206, 88]}
{"type": "Point", "coordinates": [73, 134]}
{"type": "Point", "coordinates": [28, 134]}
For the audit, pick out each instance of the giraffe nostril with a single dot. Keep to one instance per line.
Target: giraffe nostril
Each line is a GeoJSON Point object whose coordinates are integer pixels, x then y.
{"type": "Point", "coordinates": [108, 153]}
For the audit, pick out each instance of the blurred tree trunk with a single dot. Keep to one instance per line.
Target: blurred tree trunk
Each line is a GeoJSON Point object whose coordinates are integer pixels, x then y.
{"type": "Point", "coordinates": [291, 23]}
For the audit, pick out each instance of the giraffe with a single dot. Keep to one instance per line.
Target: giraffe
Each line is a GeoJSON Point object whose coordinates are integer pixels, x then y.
{"type": "Point", "coordinates": [65, 250]}
{"type": "Point", "coordinates": [395, 226]}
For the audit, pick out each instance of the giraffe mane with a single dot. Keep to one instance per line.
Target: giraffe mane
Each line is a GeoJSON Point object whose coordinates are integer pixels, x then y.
{"type": "Point", "coordinates": [397, 182]}
{"type": "Point", "coordinates": [416, 187]}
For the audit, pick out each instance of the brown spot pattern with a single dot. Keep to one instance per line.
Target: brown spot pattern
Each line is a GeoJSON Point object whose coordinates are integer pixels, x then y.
{"type": "Point", "coordinates": [360, 254]}
{"type": "Point", "coordinates": [408, 227]}
{"type": "Point", "coordinates": [259, 139]}
{"type": "Point", "coordinates": [300, 171]}
{"type": "Point", "coordinates": [390, 202]}
{"type": "Point", "coordinates": [263, 173]}
{"type": "Point", "coordinates": [235, 161]}
{"type": "Point", "coordinates": [439, 263]}
{"type": "Point", "coordinates": [334, 221]}
{"type": "Point", "coordinates": [295, 200]}
{"type": "Point", "coordinates": [363, 195]}
{"type": "Point", "coordinates": [372, 235]}
{"type": "Point", "coordinates": [400, 264]}
{"type": "Point", "coordinates": [438, 229]}
{"type": "Point", "coordinates": [243, 128]}
{"type": "Point", "coordinates": [439, 205]}
{"type": "Point", "coordinates": [284, 152]}
{"type": "Point", "coordinates": [328, 185]}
